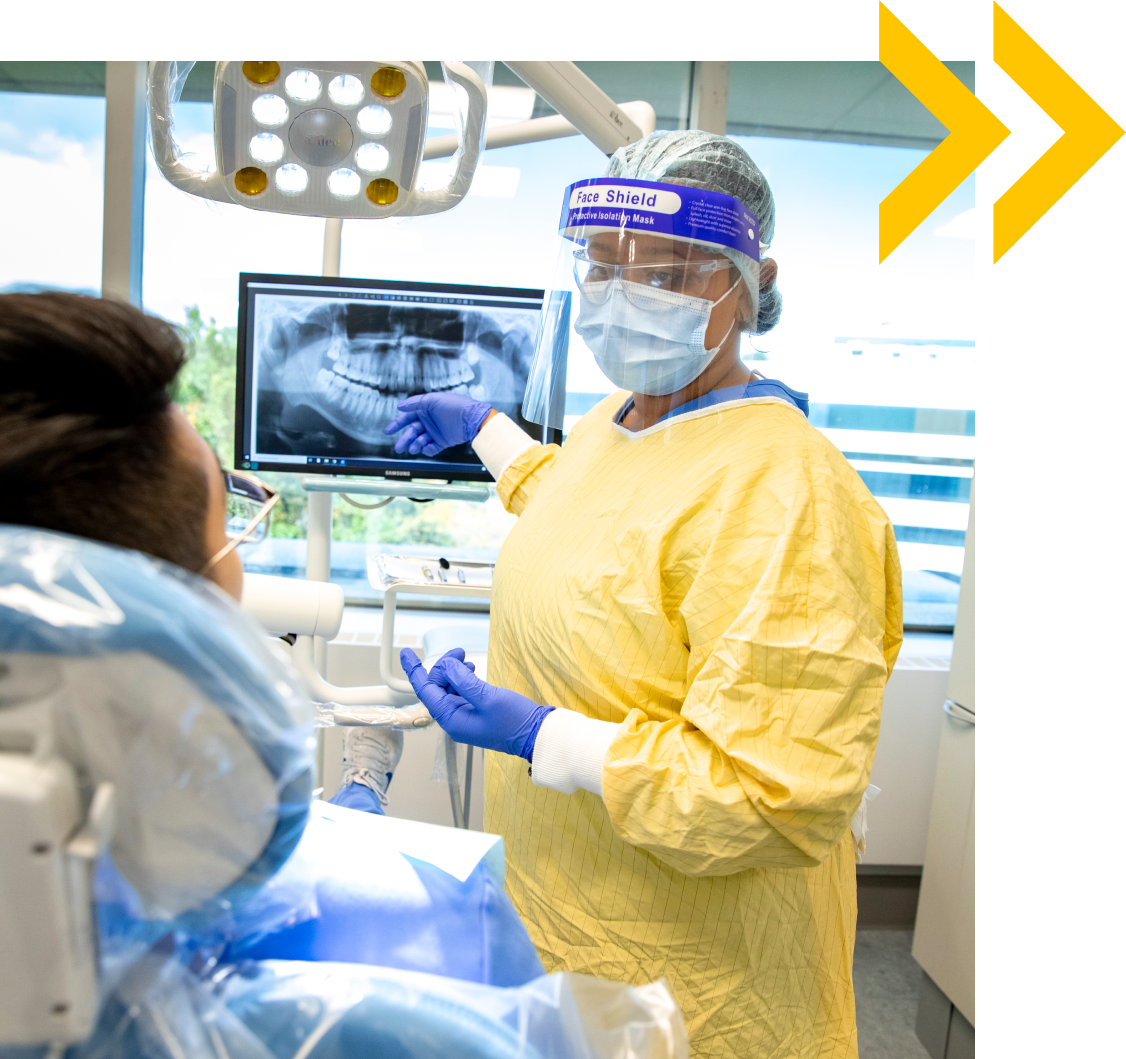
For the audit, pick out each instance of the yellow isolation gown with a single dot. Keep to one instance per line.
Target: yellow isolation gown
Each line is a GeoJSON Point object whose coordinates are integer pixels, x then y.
{"type": "Point", "coordinates": [724, 584]}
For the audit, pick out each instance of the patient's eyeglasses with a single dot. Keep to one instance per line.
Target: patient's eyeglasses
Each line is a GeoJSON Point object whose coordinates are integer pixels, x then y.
{"type": "Point", "coordinates": [249, 503]}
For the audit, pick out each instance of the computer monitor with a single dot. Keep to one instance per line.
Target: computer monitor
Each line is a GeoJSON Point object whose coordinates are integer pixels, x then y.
{"type": "Point", "coordinates": [323, 363]}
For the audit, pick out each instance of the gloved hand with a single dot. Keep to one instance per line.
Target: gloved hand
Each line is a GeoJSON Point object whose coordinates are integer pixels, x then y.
{"type": "Point", "coordinates": [437, 421]}
{"type": "Point", "coordinates": [470, 710]}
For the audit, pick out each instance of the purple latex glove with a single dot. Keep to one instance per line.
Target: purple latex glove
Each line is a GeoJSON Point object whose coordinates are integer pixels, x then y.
{"type": "Point", "coordinates": [470, 710]}
{"type": "Point", "coordinates": [432, 422]}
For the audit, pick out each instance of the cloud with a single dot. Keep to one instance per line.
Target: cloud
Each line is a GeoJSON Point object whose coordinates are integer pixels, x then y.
{"type": "Point", "coordinates": [495, 181]}
{"type": "Point", "coordinates": [51, 224]}
{"type": "Point", "coordinates": [963, 226]}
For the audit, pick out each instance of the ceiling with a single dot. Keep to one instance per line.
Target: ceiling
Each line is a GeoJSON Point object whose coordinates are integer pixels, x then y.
{"type": "Point", "coordinates": [849, 102]}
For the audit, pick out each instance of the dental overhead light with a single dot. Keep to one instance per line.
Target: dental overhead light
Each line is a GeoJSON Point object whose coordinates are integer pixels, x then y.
{"type": "Point", "coordinates": [347, 139]}
{"type": "Point", "coordinates": [319, 139]}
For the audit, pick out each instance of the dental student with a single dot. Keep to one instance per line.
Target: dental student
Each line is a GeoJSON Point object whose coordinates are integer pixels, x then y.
{"type": "Point", "coordinates": [693, 622]}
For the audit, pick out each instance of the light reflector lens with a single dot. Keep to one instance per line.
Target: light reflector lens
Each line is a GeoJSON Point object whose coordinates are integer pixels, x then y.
{"type": "Point", "coordinates": [383, 192]}
{"type": "Point", "coordinates": [372, 157]}
{"type": "Point", "coordinates": [344, 183]}
{"type": "Point", "coordinates": [374, 120]}
{"type": "Point", "coordinates": [251, 180]}
{"type": "Point", "coordinates": [270, 110]}
{"type": "Point", "coordinates": [346, 90]}
{"type": "Point", "coordinates": [261, 73]}
{"type": "Point", "coordinates": [388, 82]}
{"type": "Point", "coordinates": [266, 148]}
{"type": "Point", "coordinates": [291, 178]}
{"type": "Point", "coordinates": [304, 86]}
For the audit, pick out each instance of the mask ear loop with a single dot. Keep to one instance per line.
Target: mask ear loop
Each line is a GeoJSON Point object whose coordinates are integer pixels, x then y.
{"type": "Point", "coordinates": [719, 345]}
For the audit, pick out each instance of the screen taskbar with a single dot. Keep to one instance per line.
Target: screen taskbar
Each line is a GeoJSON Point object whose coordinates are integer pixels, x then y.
{"type": "Point", "coordinates": [391, 467]}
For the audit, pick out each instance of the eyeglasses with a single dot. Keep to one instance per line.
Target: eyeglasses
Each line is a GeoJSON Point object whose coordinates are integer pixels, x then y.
{"type": "Point", "coordinates": [682, 277]}
{"type": "Point", "coordinates": [249, 503]}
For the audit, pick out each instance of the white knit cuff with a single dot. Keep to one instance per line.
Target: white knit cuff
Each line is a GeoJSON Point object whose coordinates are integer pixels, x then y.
{"type": "Point", "coordinates": [569, 752]}
{"type": "Point", "coordinates": [499, 442]}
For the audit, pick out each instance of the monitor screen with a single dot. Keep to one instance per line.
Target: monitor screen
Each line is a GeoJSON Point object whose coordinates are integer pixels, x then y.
{"type": "Point", "coordinates": [324, 362]}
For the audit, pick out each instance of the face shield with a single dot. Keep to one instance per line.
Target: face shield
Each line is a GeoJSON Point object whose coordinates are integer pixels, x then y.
{"type": "Point", "coordinates": [652, 281]}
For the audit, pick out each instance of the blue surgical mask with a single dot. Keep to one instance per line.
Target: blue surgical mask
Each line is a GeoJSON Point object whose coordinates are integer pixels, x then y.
{"type": "Point", "coordinates": [645, 339]}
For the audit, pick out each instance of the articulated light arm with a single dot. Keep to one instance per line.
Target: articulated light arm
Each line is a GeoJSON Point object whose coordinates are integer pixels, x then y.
{"type": "Point", "coordinates": [578, 99]}
{"type": "Point", "coordinates": [539, 129]}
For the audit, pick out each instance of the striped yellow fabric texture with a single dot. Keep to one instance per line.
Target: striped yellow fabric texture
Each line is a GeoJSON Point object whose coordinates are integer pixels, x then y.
{"type": "Point", "coordinates": [726, 586]}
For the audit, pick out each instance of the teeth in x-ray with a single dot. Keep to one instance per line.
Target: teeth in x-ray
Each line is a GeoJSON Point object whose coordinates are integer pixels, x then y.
{"type": "Point", "coordinates": [403, 367]}
{"type": "Point", "coordinates": [360, 408]}
{"type": "Point", "coordinates": [353, 362]}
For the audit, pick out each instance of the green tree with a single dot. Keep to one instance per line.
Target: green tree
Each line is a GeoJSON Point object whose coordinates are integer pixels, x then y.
{"type": "Point", "coordinates": [205, 389]}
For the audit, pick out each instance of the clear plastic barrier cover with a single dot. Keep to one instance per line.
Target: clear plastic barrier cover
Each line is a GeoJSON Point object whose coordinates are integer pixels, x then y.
{"type": "Point", "coordinates": [387, 571]}
{"type": "Point", "coordinates": [146, 677]}
{"type": "Point", "coordinates": [281, 1009]}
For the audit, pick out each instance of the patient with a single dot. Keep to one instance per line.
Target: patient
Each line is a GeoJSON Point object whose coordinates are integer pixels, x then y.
{"type": "Point", "coordinates": [92, 445]}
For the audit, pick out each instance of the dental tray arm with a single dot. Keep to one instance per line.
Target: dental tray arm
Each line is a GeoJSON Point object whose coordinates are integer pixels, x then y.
{"type": "Point", "coordinates": [166, 82]}
{"type": "Point", "coordinates": [406, 718]}
{"type": "Point", "coordinates": [392, 574]}
{"type": "Point", "coordinates": [305, 609]}
{"type": "Point", "coordinates": [423, 202]}
{"type": "Point", "coordinates": [370, 695]}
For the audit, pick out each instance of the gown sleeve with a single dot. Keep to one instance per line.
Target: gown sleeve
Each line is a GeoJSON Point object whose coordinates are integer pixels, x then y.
{"type": "Point", "coordinates": [523, 475]}
{"type": "Point", "coordinates": [792, 625]}
{"type": "Point", "coordinates": [516, 461]}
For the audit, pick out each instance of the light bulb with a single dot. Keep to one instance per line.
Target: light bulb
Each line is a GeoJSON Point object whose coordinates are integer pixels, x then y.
{"type": "Point", "coordinates": [374, 120]}
{"type": "Point", "coordinates": [304, 86]}
{"type": "Point", "coordinates": [346, 90]}
{"type": "Point", "coordinates": [344, 183]}
{"type": "Point", "coordinates": [270, 110]}
{"type": "Point", "coordinates": [291, 178]}
{"type": "Point", "coordinates": [266, 148]}
{"type": "Point", "coordinates": [372, 157]}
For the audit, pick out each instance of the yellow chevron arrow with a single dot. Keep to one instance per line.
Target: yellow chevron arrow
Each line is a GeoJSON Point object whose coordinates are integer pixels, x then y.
{"type": "Point", "coordinates": [1088, 132]}
{"type": "Point", "coordinates": [974, 132]}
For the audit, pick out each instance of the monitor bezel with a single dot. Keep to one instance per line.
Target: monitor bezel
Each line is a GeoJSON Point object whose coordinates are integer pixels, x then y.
{"type": "Point", "coordinates": [393, 470]}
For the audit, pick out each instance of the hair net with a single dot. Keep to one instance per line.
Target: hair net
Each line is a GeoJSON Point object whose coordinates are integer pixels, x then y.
{"type": "Point", "coordinates": [715, 163]}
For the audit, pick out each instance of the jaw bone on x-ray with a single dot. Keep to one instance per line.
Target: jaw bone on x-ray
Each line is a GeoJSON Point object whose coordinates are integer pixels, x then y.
{"type": "Point", "coordinates": [331, 373]}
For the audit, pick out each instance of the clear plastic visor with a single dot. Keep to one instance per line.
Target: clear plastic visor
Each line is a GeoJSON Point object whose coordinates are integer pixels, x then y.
{"type": "Point", "coordinates": [638, 311]}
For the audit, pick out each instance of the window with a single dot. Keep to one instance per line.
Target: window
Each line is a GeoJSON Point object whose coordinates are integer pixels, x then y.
{"type": "Point", "coordinates": [51, 180]}
{"type": "Point", "coordinates": [885, 352]}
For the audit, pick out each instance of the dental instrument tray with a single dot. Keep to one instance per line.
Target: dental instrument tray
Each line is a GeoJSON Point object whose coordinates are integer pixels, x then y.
{"type": "Point", "coordinates": [412, 573]}
{"type": "Point", "coordinates": [424, 574]}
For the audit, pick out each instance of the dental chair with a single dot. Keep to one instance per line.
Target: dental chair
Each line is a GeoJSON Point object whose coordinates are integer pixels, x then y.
{"type": "Point", "coordinates": [169, 889]}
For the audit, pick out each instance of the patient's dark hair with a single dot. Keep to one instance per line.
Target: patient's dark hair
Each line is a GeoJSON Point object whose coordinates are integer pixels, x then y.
{"type": "Point", "coordinates": [86, 443]}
